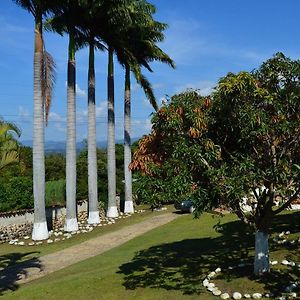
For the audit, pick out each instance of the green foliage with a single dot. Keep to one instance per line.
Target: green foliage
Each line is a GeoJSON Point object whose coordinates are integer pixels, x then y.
{"type": "Point", "coordinates": [55, 165]}
{"type": "Point", "coordinates": [16, 194]}
{"type": "Point", "coordinates": [256, 122]}
{"type": "Point", "coordinates": [174, 160]}
{"type": "Point", "coordinates": [55, 192]}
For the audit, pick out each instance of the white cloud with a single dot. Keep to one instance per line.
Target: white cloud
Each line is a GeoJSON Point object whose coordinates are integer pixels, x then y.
{"type": "Point", "coordinates": [80, 92]}
{"type": "Point", "coordinates": [204, 87]}
{"type": "Point", "coordinates": [60, 127]}
{"type": "Point", "coordinates": [24, 114]}
{"type": "Point", "coordinates": [100, 112]}
{"type": "Point", "coordinates": [55, 117]}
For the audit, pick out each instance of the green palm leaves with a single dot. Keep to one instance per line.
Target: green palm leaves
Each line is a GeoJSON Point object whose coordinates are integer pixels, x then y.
{"type": "Point", "coordinates": [9, 147]}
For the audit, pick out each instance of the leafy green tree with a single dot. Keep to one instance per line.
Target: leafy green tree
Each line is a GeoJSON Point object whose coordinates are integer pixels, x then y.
{"type": "Point", "coordinates": [173, 160]}
{"type": "Point", "coordinates": [245, 147]}
{"type": "Point", "coordinates": [256, 122]}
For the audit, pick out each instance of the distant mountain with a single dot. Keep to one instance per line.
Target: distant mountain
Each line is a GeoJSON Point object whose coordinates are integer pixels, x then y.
{"type": "Point", "coordinates": [60, 146]}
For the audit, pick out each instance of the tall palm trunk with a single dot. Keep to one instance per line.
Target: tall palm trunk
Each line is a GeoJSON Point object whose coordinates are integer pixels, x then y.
{"type": "Point", "coordinates": [40, 230]}
{"type": "Point", "coordinates": [71, 219]}
{"type": "Point", "coordinates": [128, 207]}
{"type": "Point", "coordinates": [112, 210]}
{"type": "Point", "coordinates": [92, 148]}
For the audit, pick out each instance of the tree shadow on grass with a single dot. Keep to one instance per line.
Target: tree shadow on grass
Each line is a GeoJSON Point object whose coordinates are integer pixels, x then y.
{"type": "Point", "coordinates": [182, 265]}
{"type": "Point", "coordinates": [13, 267]}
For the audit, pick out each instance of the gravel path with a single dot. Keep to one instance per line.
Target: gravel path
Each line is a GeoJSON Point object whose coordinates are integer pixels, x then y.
{"type": "Point", "coordinates": [64, 258]}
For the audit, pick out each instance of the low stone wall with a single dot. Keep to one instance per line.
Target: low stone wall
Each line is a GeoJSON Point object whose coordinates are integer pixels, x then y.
{"type": "Point", "coordinates": [26, 216]}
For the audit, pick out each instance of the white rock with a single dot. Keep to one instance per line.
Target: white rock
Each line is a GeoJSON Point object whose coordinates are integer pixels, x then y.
{"type": "Point", "coordinates": [287, 232]}
{"type": "Point", "coordinates": [292, 264]}
{"type": "Point", "coordinates": [211, 274]}
{"type": "Point", "coordinates": [31, 244]}
{"type": "Point", "coordinates": [91, 229]}
{"type": "Point", "coordinates": [49, 241]}
{"type": "Point", "coordinates": [205, 282]}
{"type": "Point", "coordinates": [11, 242]}
{"type": "Point", "coordinates": [216, 292]}
{"type": "Point", "coordinates": [256, 296]}
{"type": "Point", "coordinates": [293, 295]}
{"type": "Point", "coordinates": [237, 295]}
{"type": "Point", "coordinates": [218, 270]}
{"type": "Point", "coordinates": [21, 243]}
{"type": "Point", "coordinates": [285, 262]}
{"type": "Point", "coordinates": [225, 296]}
{"type": "Point", "coordinates": [26, 237]}
{"type": "Point", "coordinates": [247, 296]}
{"type": "Point", "coordinates": [274, 262]}
{"type": "Point", "coordinates": [211, 285]}
{"type": "Point", "coordinates": [56, 240]}
{"type": "Point", "coordinates": [281, 234]}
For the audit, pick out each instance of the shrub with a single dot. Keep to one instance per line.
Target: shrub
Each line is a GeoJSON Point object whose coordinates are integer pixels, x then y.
{"type": "Point", "coordinates": [55, 192]}
{"type": "Point", "coordinates": [17, 193]}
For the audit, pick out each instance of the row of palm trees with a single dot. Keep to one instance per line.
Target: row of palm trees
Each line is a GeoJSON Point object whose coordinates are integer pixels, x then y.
{"type": "Point", "coordinates": [127, 30]}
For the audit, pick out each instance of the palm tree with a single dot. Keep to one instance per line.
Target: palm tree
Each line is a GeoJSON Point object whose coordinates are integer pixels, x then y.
{"type": "Point", "coordinates": [9, 147]}
{"type": "Point", "coordinates": [141, 37]}
{"type": "Point", "coordinates": [43, 84]}
{"type": "Point", "coordinates": [66, 17]}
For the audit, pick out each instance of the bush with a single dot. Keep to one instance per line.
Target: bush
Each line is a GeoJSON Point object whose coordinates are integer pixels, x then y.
{"type": "Point", "coordinates": [55, 192]}
{"type": "Point", "coordinates": [17, 193]}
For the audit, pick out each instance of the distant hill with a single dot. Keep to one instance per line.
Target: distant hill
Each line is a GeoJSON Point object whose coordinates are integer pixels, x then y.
{"type": "Point", "coordinates": [60, 146]}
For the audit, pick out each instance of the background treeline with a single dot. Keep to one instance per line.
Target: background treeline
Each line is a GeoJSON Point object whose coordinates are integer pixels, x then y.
{"type": "Point", "coordinates": [16, 186]}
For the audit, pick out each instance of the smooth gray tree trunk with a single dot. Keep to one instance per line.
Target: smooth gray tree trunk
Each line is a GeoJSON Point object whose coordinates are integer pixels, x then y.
{"type": "Point", "coordinates": [128, 205]}
{"type": "Point", "coordinates": [40, 230]}
{"type": "Point", "coordinates": [261, 260]}
{"type": "Point", "coordinates": [112, 210]}
{"type": "Point", "coordinates": [93, 217]}
{"type": "Point", "coordinates": [71, 223]}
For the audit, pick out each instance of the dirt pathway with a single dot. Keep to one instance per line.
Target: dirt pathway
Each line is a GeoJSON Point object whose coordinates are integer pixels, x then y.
{"type": "Point", "coordinates": [64, 258]}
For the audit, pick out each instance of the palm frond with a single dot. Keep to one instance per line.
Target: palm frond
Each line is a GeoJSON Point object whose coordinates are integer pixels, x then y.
{"type": "Point", "coordinates": [48, 80]}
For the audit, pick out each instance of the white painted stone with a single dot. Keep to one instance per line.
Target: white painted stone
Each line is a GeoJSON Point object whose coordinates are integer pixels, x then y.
{"type": "Point", "coordinates": [237, 295]}
{"type": "Point", "coordinates": [49, 241]}
{"type": "Point", "coordinates": [247, 296]}
{"type": "Point", "coordinates": [94, 217]}
{"type": "Point", "coordinates": [211, 285]}
{"type": "Point", "coordinates": [225, 296]}
{"type": "Point", "coordinates": [31, 243]}
{"type": "Point", "coordinates": [205, 282]}
{"type": "Point", "coordinates": [26, 237]}
{"type": "Point", "coordinates": [218, 270]}
{"type": "Point", "coordinates": [40, 231]}
{"type": "Point", "coordinates": [21, 243]}
{"type": "Point", "coordinates": [216, 292]}
{"type": "Point", "coordinates": [285, 262]}
{"type": "Point", "coordinates": [274, 262]}
{"type": "Point", "coordinates": [211, 274]}
{"type": "Point", "coordinates": [256, 296]}
{"type": "Point", "coordinates": [112, 212]}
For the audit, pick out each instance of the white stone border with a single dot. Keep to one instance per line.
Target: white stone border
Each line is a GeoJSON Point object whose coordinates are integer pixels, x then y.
{"type": "Point", "coordinates": [211, 287]}
{"type": "Point", "coordinates": [59, 234]}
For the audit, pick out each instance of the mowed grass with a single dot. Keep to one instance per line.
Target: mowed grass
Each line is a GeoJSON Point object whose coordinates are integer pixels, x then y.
{"type": "Point", "coordinates": [11, 254]}
{"type": "Point", "coordinates": [170, 262]}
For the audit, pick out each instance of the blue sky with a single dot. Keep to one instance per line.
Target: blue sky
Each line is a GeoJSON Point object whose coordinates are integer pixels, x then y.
{"type": "Point", "coordinates": [206, 39]}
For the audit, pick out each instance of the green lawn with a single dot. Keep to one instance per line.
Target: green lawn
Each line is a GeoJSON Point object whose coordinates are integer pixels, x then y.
{"type": "Point", "coordinates": [169, 262]}
{"type": "Point", "coordinates": [11, 254]}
